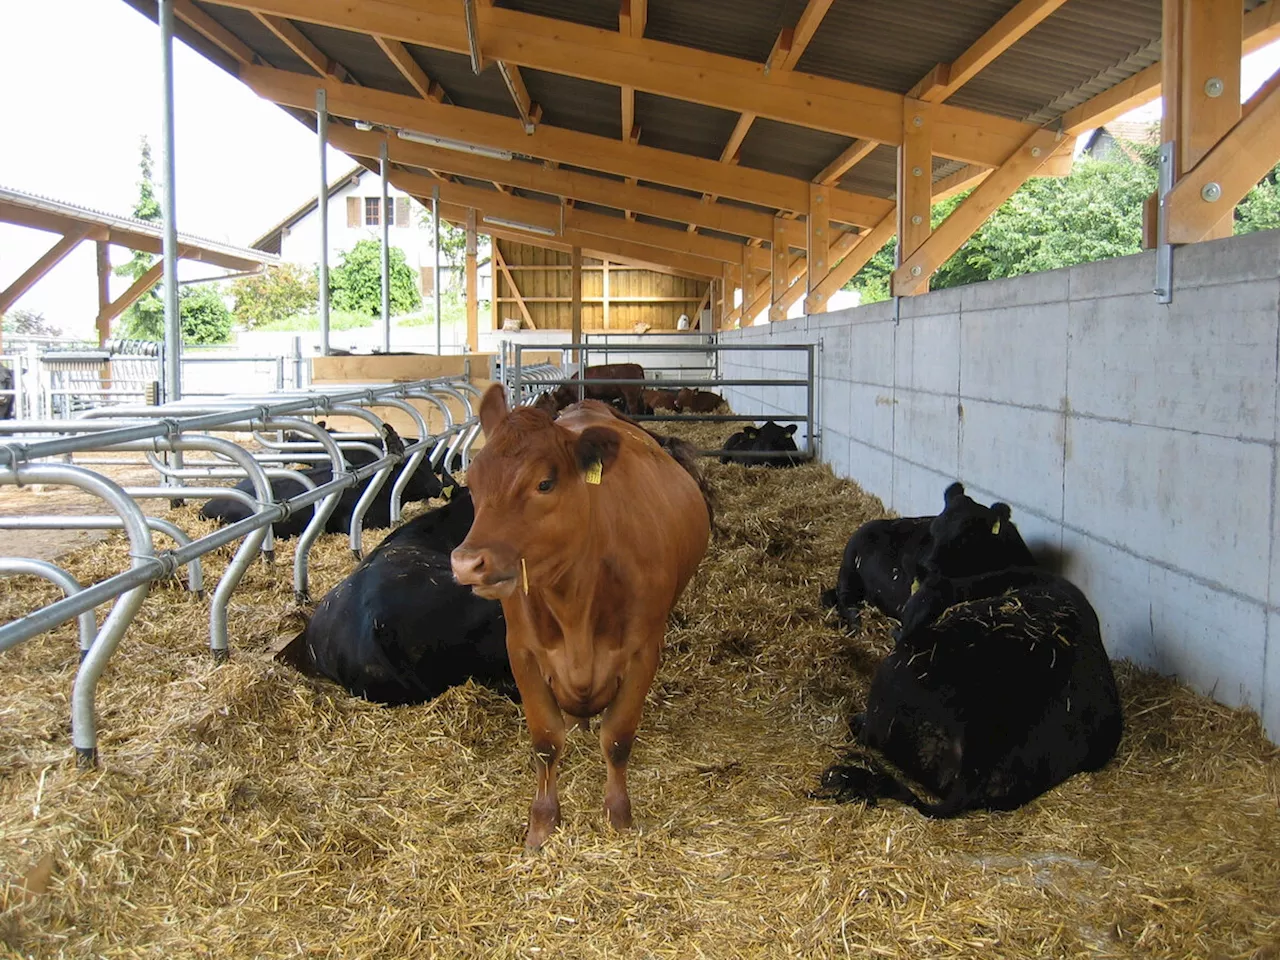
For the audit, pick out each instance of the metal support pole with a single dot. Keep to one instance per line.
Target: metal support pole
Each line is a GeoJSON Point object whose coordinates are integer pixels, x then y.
{"type": "Point", "coordinates": [172, 319]}
{"type": "Point", "coordinates": [322, 129]}
{"type": "Point", "coordinates": [435, 218]}
{"type": "Point", "coordinates": [386, 252]}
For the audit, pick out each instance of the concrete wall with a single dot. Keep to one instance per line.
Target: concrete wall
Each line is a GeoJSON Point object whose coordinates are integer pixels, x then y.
{"type": "Point", "coordinates": [1135, 441]}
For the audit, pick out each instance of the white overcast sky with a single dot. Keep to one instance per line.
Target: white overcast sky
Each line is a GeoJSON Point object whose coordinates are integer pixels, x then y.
{"type": "Point", "coordinates": [81, 82]}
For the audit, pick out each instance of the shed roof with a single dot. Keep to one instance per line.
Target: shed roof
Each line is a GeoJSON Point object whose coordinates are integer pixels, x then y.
{"type": "Point", "coordinates": [834, 75]}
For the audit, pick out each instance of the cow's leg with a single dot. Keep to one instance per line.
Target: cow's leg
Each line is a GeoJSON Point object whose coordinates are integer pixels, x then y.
{"type": "Point", "coordinates": [546, 729]}
{"type": "Point", "coordinates": [618, 729]}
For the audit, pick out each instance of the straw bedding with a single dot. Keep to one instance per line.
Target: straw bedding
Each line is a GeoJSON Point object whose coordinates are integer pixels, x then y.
{"type": "Point", "coordinates": [243, 810]}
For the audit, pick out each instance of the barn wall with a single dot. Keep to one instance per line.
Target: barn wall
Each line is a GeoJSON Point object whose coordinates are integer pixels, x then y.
{"type": "Point", "coordinates": [635, 295]}
{"type": "Point", "coordinates": [1135, 441]}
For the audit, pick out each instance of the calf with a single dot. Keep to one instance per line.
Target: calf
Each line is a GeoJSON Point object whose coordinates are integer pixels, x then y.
{"type": "Point", "coordinates": [588, 532]}
{"type": "Point", "coordinates": [883, 559]}
{"type": "Point", "coordinates": [398, 629]}
{"type": "Point", "coordinates": [698, 401]}
{"type": "Point", "coordinates": [423, 485]}
{"type": "Point", "coordinates": [998, 689]}
{"type": "Point", "coordinates": [630, 398]}
{"type": "Point", "coordinates": [745, 446]}
{"type": "Point", "coordinates": [660, 400]}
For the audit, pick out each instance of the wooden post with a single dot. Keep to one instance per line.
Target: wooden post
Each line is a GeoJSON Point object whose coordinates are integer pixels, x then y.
{"type": "Point", "coordinates": [819, 246]}
{"type": "Point", "coordinates": [748, 288]}
{"type": "Point", "coordinates": [604, 279]}
{"type": "Point", "coordinates": [494, 319]}
{"type": "Point", "coordinates": [104, 290]}
{"type": "Point", "coordinates": [1200, 72]}
{"type": "Point", "coordinates": [915, 182]}
{"type": "Point", "coordinates": [778, 271]}
{"type": "Point", "coordinates": [575, 303]}
{"type": "Point", "coordinates": [473, 285]}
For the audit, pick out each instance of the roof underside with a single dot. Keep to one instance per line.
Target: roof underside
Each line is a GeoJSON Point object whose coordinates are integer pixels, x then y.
{"type": "Point", "coordinates": [1083, 48]}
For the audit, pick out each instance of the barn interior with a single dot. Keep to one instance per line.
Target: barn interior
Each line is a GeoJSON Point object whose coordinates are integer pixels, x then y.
{"type": "Point", "coordinates": [729, 161]}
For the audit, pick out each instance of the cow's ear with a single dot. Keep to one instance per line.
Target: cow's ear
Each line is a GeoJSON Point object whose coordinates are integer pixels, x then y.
{"type": "Point", "coordinates": [953, 492]}
{"type": "Point", "coordinates": [791, 429]}
{"type": "Point", "coordinates": [750, 432]}
{"type": "Point", "coordinates": [493, 408]}
{"type": "Point", "coordinates": [597, 450]}
{"type": "Point", "coordinates": [1002, 512]}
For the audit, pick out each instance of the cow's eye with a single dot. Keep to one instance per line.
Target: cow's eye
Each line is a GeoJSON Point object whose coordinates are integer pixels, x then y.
{"type": "Point", "coordinates": [546, 485]}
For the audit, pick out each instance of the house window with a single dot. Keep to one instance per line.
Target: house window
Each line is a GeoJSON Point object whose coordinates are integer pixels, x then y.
{"type": "Point", "coordinates": [371, 211]}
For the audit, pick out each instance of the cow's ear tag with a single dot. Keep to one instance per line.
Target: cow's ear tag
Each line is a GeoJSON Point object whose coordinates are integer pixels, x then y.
{"type": "Point", "coordinates": [915, 584]}
{"type": "Point", "coordinates": [995, 528]}
{"type": "Point", "coordinates": [447, 492]}
{"type": "Point", "coordinates": [595, 470]}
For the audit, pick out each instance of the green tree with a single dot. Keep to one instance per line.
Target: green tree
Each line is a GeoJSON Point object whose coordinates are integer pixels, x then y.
{"type": "Point", "coordinates": [1093, 214]}
{"type": "Point", "coordinates": [277, 293]}
{"type": "Point", "coordinates": [1260, 209]}
{"type": "Point", "coordinates": [205, 318]}
{"type": "Point", "coordinates": [145, 309]}
{"type": "Point", "coordinates": [453, 240]}
{"type": "Point", "coordinates": [356, 283]}
{"type": "Point", "coordinates": [28, 323]}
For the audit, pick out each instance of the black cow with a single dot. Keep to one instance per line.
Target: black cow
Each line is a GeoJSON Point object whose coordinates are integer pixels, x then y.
{"type": "Point", "coordinates": [398, 629]}
{"type": "Point", "coordinates": [998, 689]}
{"type": "Point", "coordinates": [882, 560]}
{"type": "Point", "coordinates": [6, 400]}
{"type": "Point", "coordinates": [771, 438]}
{"type": "Point", "coordinates": [423, 485]}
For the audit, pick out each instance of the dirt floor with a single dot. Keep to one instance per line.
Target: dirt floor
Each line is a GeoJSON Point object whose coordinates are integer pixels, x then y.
{"type": "Point", "coordinates": [243, 810]}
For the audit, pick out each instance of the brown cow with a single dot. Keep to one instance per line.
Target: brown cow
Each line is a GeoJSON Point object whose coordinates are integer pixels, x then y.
{"type": "Point", "coordinates": [660, 399]}
{"type": "Point", "coordinates": [556, 400]}
{"type": "Point", "coordinates": [698, 401]}
{"type": "Point", "coordinates": [587, 531]}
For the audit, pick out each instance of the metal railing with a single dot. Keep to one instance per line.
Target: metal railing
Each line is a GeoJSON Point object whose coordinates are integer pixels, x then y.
{"type": "Point", "coordinates": [518, 382]}
{"type": "Point", "coordinates": [185, 427]}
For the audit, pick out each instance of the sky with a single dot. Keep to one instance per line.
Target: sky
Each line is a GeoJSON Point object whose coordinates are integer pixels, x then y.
{"type": "Point", "coordinates": [242, 163]}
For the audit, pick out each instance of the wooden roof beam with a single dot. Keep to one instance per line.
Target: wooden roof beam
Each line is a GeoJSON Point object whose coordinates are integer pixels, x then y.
{"type": "Point", "coordinates": [213, 31]}
{"type": "Point", "coordinates": [565, 146]}
{"type": "Point", "coordinates": [31, 276]}
{"type": "Point", "coordinates": [304, 48]}
{"type": "Point", "coordinates": [945, 79]}
{"type": "Point", "coordinates": [399, 55]}
{"type": "Point", "coordinates": [665, 69]}
{"type": "Point", "coordinates": [854, 154]}
{"type": "Point", "coordinates": [633, 16]}
{"type": "Point", "coordinates": [1261, 27]}
{"type": "Point", "coordinates": [530, 112]}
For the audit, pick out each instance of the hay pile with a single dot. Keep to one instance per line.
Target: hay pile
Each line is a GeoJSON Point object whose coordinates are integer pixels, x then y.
{"type": "Point", "coordinates": [246, 811]}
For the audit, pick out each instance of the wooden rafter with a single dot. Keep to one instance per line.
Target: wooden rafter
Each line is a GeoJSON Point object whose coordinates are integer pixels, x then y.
{"type": "Point", "coordinates": [633, 16]}
{"type": "Point", "coordinates": [399, 55]}
{"type": "Point", "coordinates": [670, 70]}
{"type": "Point", "coordinates": [946, 79]}
{"type": "Point", "coordinates": [213, 31]}
{"type": "Point", "coordinates": [1235, 164]}
{"type": "Point", "coordinates": [312, 55]}
{"type": "Point", "coordinates": [51, 258]}
{"type": "Point", "coordinates": [530, 112]}
{"type": "Point", "coordinates": [127, 299]}
{"type": "Point", "coordinates": [558, 144]}
{"type": "Point", "coordinates": [913, 275]}
{"type": "Point", "coordinates": [854, 259]}
{"type": "Point", "coordinates": [1261, 27]}
{"type": "Point", "coordinates": [854, 154]}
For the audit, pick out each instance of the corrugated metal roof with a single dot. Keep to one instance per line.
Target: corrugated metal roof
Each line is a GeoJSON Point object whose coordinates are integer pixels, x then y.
{"type": "Point", "coordinates": [592, 13]}
{"type": "Point", "coordinates": [575, 104]}
{"type": "Point", "coordinates": [683, 126]}
{"type": "Point", "coordinates": [464, 88]}
{"type": "Point", "coordinates": [256, 34]}
{"type": "Point", "coordinates": [729, 27]}
{"type": "Point", "coordinates": [361, 55]}
{"type": "Point", "coordinates": [788, 149]}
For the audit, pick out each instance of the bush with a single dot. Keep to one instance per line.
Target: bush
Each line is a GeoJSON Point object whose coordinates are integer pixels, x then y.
{"type": "Point", "coordinates": [205, 318]}
{"type": "Point", "coordinates": [356, 284]}
{"type": "Point", "coordinates": [28, 323]}
{"type": "Point", "coordinates": [274, 295]}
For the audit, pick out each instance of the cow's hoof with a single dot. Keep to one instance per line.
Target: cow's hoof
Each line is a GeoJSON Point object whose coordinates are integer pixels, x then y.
{"type": "Point", "coordinates": [544, 817]}
{"type": "Point", "coordinates": [618, 810]}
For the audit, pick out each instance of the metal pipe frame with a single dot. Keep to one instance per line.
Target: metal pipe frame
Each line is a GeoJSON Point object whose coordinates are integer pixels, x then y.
{"type": "Point", "coordinates": [386, 251]}
{"type": "Point", "coordinates": [195, 569]}
{"type": "Point", "coordinates": [322, 207]}
{"type": "Point", "coordinates": [145, 566]}
{"type": "Point", "coordinates": [169, 193]}
{"type": "Point", "coordinates": [23, 566]}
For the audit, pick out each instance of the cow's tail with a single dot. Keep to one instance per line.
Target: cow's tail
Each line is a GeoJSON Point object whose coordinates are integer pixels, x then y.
{"type": "Point", "coordinates": [865, 778]}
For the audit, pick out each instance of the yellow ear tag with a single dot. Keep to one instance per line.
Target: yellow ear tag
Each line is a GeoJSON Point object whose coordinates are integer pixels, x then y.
{"type": "Point", "coordinates": [447, 492]}
{"type": "Point", "coordinates": [995, 529]}
{"type": "Point", "coordinates": [524, 574]}
{"type": "Point", "coordinates": [595, 471]}
{"type": "Point", "coordinates": [915, 584]}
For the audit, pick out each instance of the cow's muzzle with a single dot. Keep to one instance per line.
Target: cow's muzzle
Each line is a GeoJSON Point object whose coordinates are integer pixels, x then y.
{"type": "Point", "coordinates": [476, 569]}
